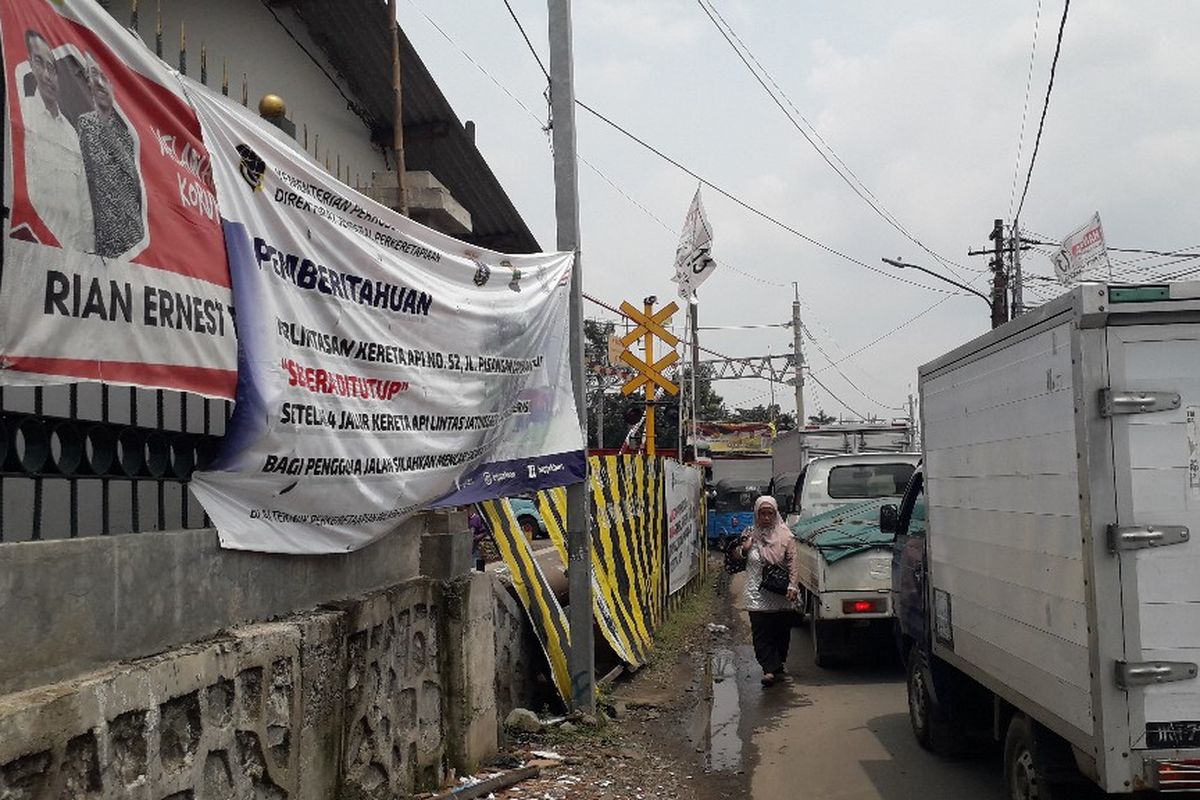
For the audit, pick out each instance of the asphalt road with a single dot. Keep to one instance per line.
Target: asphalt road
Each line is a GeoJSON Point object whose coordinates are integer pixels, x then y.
{"type": "Point", "coordinates": [840, 734]}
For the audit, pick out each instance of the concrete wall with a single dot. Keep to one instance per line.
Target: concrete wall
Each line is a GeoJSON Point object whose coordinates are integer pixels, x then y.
{"type": "Point", "coordinates": [375, 698]}
{"type": "Point", "coordinates": [76, 604]}
{"type": "Point", "coordinates": [522, 675]}
{"type": "Point", "coordinates": [245, 35]}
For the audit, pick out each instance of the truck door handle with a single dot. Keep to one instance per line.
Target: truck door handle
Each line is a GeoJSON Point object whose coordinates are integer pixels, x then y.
{"type": "Point", "coordinates": [1137, 537]}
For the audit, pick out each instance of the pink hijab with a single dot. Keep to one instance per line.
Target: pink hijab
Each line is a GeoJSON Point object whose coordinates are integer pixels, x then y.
{"type": "Point", "coordinates": [774, 539]}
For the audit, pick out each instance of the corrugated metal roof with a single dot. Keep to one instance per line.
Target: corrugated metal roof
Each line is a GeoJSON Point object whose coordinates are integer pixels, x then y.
{"type": "Point", "coordinates": [354, 35]}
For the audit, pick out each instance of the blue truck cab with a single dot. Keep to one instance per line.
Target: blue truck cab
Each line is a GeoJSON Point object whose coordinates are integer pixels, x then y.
{"type": "Point", "coordinates": [909, 563]}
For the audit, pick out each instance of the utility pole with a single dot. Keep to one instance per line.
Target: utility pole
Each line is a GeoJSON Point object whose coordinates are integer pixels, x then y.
{"type": "Point", "coordinates": [648, 344]}
{"type": "Point", "coordinates": [694, 308]}
{"type": "Point", "coordinates": [682, 398]}
{"type": "Point", "coordinates": [1018, 287]}
{"type": "Point", "coordinates": [999, 276]}
{"type": "Point", "coordinates": [397, 110]}
{"type": "Point", "coordinates": [999, 299]}
{"type": "Point", "coordinates": [581, 658]}
{"type": "Point", "coordinates": [798, 357]}
{"type": "Point", "coordinates": [774, 407]}
{"type": "Point", "coordinates": [913, 437]}
{"type": "Point", "coordinates": [600, 416]}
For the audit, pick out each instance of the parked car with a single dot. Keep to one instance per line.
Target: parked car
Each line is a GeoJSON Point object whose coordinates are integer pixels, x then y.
{"type": "Point", "coordinates": [845, 561]}
{"type": "Point", "coordinates": [529, 518]}
{"type": "Point", "coordinates": [830, 482]}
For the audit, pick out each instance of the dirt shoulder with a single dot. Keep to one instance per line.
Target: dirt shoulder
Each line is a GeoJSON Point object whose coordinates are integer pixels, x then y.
{"type": "Point", "coordinates": [652, 739]}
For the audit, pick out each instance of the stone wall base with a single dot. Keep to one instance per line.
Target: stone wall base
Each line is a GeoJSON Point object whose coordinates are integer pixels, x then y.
{"type": "Point", "coordinates": [374, 698]}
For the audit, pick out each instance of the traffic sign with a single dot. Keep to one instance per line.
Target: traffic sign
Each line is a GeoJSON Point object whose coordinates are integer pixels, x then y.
{"type": "Point", "coordinates": [649, 324]}
{"type": "Point", "coordinates": [650, 373]}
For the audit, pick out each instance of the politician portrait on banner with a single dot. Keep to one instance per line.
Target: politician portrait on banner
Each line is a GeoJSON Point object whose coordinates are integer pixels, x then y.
{"type": "Point", "coordinates": [114, 261]}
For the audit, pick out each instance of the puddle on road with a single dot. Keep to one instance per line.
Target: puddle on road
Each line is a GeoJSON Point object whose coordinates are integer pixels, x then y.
{"type": "Point", "coordinates": [724, 714]}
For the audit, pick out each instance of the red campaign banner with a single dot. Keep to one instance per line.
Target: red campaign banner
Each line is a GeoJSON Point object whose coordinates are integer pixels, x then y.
{"type": "Point", "coordinates": [746, 438]}
{"type": "Point", "coordinates": [115, 266]}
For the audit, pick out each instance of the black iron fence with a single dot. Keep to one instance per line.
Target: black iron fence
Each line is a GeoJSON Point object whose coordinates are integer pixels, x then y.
{"type": "Point", "coordinates": [94, 459]}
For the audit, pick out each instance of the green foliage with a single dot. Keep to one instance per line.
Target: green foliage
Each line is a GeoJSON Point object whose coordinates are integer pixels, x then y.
{"type": "Point", "coordinates": [821, 418]}
{"type": "Point", "coordinates": [604, 394]}
{"type": "Point", "coordinates": [784, 421]}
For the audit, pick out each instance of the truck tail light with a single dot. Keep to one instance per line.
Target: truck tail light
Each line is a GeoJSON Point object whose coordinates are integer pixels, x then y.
{"type": "Point", "coordinates": [862, 606]}
{"type": "Point", "coordinates": [1179, 776]}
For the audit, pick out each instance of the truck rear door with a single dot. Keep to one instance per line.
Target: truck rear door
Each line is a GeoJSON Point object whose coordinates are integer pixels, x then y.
{"type": "Point", "coordinates": [1154, 408]}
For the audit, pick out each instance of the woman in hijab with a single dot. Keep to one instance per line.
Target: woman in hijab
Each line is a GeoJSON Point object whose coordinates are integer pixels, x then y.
{"type": "Point", "coordinates": [769, 550]}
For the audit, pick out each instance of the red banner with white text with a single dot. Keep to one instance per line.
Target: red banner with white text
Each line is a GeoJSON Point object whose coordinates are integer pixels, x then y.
{"type": "Point", "coordinates": [114, 261]}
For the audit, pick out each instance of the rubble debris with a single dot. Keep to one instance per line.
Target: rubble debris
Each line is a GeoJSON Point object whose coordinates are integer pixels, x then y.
{"type": "Point", "coordinates": [522, 720]}
{"type": "Point", "coordinates": [494, 784]}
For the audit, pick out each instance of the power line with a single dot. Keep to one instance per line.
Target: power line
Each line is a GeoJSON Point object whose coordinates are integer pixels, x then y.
{"type": "Point", "coordinates": [1037, 23]}
{"type": "Point", "coordinates": [600, 173]}
{"type": "Point", "coordinates": [669, 229]}
{"type": "Point", "coordinates": [811, 315]}
{"type": "Point", "coordinates": [881, 337]}
{"type": "Point", "coordinates": [845, 405]}
{"type": "Point", "coordinates": [845, 377]}
{"type": "Point", "coordinates": [744, 327]}
{"type": "Point", "coordinates": [753, 210]}
{"type": "Point", "coordinates": [603, 304]}
{"type": "Point", "coordinates": [1045, 107]}
{"type": "Point", "coordinates": [1154, 252]}
{"type": "Point", "coordinates": [532, 49]}
{"type": "Point", "coordinates": [678, 165]}
{"type": "Point", "coordinates": [357, 109]}
{"type": "Point", "coordinates": [869, 198]}
{"type": "Point", "coordinates": [544, 126]}
{"type": "Point", "coordinates": [587, 163]}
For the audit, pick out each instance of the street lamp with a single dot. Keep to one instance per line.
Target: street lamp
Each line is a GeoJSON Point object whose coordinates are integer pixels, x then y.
{"type": "Point", "coordinates": [901, 265]}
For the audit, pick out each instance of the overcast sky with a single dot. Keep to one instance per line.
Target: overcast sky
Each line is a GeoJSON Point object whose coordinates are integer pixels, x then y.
{"type": "Point", "coordinates": [922, 101]}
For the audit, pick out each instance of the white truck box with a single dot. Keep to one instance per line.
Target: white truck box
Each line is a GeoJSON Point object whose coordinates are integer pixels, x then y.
{"type": "Point", "coordinates": [1062, 474]}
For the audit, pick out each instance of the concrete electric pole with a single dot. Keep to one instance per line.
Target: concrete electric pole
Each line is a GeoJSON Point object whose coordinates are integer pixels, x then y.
{"type": "Point", "coordinates": [798, 357]}
{"type": "Point", "coordinates": [581, 658]}
{"type": "Point", "coordinates": [999, 276]}
{"type": "Point", "coordinates": [694, 312]}
{"type": "Point", "coordinates": [1018, 288]}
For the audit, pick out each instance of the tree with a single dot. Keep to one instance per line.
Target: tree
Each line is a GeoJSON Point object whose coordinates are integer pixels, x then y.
{"type": "Point", "coordinates": [821, 418]}
{"type": "Point", "coordinates": [595, 345]}
{"type": "Point", "coordinates": [606, 402]}
{"type": "Point", "coordinates": [784, 421]}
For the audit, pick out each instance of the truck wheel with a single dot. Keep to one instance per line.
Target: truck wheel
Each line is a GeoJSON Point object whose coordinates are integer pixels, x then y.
{"type": "Point", "coordinates": [932, 723]}
{"type": "Point", "coordinates": [1037, 764]}
{"type": "Point", "coordinates": [820, 632]}
{"type": "Point", "coordinates": [1024, 773]}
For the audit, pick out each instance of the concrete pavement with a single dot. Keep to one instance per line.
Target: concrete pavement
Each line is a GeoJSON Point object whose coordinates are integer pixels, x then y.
{"type": "Point", "coordinates": [839, 734]}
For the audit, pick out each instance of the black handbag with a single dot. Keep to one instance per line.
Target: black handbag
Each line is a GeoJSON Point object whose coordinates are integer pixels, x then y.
{"type": "Point", "coordinates": [775, 578]}
{"type": "Point", "coordinates": [733, 563]}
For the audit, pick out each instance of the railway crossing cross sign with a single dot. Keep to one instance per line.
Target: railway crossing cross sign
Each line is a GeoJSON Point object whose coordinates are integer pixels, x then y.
{"type": "Point", "coordinates": [647, 325]}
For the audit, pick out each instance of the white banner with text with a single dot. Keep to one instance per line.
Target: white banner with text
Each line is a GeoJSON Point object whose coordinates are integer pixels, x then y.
{"type": "Point", "coordinates": [684, 486]}
{"type": "Point", "coordinates": [383, 367]}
